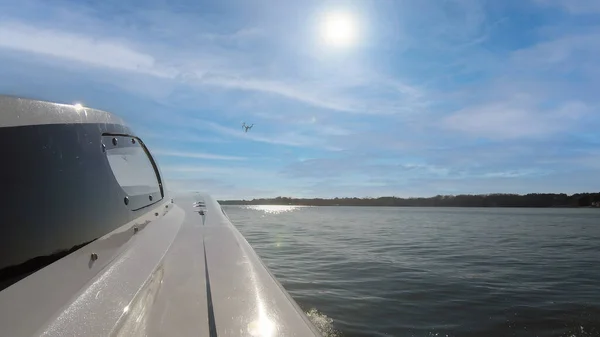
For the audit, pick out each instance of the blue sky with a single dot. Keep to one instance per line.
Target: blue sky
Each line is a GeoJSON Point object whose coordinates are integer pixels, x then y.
{"type": "Point", "coordinates": [433, 97]}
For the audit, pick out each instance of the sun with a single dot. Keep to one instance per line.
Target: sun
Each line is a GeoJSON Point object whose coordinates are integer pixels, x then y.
{"type": "Point", "coordinates": [339, 29]}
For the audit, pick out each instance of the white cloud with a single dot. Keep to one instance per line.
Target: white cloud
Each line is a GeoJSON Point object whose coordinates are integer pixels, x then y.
{"type": "Point", "coordinates": [515, 117]}
{"type": "Point", "coordinates": [99, 52]}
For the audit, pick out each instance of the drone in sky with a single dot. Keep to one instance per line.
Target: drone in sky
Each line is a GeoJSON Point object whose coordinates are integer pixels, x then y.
{"type": "Point", "coordinates": [246, 127]}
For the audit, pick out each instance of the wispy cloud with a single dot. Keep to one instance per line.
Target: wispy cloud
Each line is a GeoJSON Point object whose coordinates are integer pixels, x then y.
{"type": "Point", "coordinates": [364, 166]}
{"type": "Point", "coordinates": [278, 88]}
{"type": "Point", "coordinates": [515, 118]}
{"type": "Point", "coordinates": [104, 52]}
{"type": "Point", "coordinates": [217, 188]}
{"type": "Point", "coordinates": [181, 136]}
{"type": "Point", "coordinates": [515, 174]}
{"type": "Point", "coordinates": [228, 181]}
{"type": "Point", "coordinates": [563, 54]}
{"type": "Point", "coordinates": [241, 34]}
{"type": "Point", "coordinates": [197, 155]}
{"type": "Point", "coordinates": [194, 169]}
{"type": "Point", "coordinates": [574, 6]}
{"type": "Point", "coordinates": [289, 139]}
{"type": "Point", "coordinates": [216, 170]}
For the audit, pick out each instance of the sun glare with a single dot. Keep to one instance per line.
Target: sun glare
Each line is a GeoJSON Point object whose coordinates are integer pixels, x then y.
{"type": "Point", "coordinates": [339, 29]}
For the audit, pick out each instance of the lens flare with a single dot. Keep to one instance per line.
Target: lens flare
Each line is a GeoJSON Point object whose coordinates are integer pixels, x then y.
{"type": "Point", "coordinates": [339, 29]}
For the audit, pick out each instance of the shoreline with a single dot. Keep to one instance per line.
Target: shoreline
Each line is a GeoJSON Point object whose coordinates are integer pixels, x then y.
{"type": "Point", "coordinates": [424, 206]}
{"type": "Point", "coordinates": [531, 200]}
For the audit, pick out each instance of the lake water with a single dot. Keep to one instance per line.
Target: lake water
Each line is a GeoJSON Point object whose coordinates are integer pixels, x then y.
{"type": "Point", "coordinates": [375, 271]}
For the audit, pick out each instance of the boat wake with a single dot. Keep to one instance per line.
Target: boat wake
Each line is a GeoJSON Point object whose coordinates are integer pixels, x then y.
{"type": "Point", "coordinates": [323, 323]}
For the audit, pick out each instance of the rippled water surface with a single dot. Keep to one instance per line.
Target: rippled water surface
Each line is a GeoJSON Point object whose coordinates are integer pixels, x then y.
{"type": "Point", "coordinates": [372, 271]}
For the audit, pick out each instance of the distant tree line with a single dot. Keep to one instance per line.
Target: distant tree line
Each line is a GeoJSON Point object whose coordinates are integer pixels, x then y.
{"type": "Point", "coordinates": [463, 200]}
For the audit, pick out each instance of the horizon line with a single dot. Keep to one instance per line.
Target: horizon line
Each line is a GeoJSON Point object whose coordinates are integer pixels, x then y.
{"type": "Point", "coordinates": [396, 197]}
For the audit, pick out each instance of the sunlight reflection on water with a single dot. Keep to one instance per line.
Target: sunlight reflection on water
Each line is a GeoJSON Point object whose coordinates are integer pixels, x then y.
{"type": "Point", "coordinates": [273, 209]}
